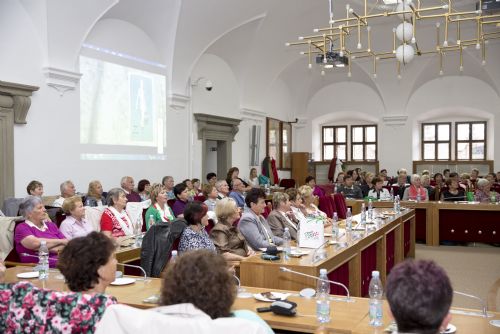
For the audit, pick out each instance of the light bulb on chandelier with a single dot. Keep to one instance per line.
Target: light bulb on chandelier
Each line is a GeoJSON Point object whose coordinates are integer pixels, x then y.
{"type": "Point", "coordinates": [405, 53]}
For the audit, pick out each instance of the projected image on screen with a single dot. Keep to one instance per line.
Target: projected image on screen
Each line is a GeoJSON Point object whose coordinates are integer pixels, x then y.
{"type": "Point", "coordinates": [121, 106]}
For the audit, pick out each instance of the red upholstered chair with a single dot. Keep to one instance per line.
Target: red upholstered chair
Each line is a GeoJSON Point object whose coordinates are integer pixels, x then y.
{"type": "Point", "coordinates": [210, 225]}
{"type": "Point", "coordinates": [170, 202]}
{"type": "Point", "coordinates": [267, 210]}
{"type": "Point", "coordinates": [12, 258]}
{"type": "Point", "coordinates": [326, 205]}
{"type": "Point", "coordinates": [340, 205]}
{"type": "Point", "coordinates": [60, 217]}
{"type": "Point", "coordinates": [144, 219]}
{"type": "Point", "coordinates": [287, 183]}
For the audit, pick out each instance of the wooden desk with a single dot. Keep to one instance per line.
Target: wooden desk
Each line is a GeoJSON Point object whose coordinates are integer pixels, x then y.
{"type": "Point", "coordinates": [440, 221]}
{"type": "Point", "coordinates": [376, 250]}
{"type": "Point", "coordinates": [346, 317]}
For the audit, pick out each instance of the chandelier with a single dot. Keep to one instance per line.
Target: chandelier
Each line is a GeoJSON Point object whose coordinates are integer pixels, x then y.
{"type": "Point", "coordinates": [350, 38]}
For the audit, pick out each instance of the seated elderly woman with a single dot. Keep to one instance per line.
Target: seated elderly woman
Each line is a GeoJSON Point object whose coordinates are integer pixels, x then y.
{"type": "Point", "coordinates": [483, 193]}
{"type": "Point", "coordinates": [227, 239]}
{"type": "Point", "coordinates": [183, 309]}
{"type": "Point", "coordinates": [88, 263]}
{"type": "Point", "coordinates": [194, 235]}
{"type": "Point", "coordinates": [35, 188]}
{"type": "Point", "coordinates": [378, 191]}
{"type": "Point", "coordinates": [253, 226]}
{"type": "Point", "coordinates": [311, 209]}
{"type": "Point", "coordinates": [416, 190]}
{"type": "Point", "coordinates": [159, 209]}
{"type": "Point", "coordinates": [35, 229]}
{"type": "Point", "coordinates": [282, 216]}
{"type": "Point", "coordinates": [115, 221]}
{"type": "Point", "coordinates": [75, 224]}
{"type": "Point", "coordinates": [181, 195]}
{"type": "Point", "coordinates": [95, 195]}
{"type": "Point", "coordinates": [296, 204]}
{"type": "Point", "coordinates": [210, 193]}
{"type": "Point", "coordinates": [454, 192]}
{"type": "Point", "coordinates": [143, 189]}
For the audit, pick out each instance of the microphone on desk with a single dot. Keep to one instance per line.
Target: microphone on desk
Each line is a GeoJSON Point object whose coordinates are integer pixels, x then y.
{"type": "Point", "coordinates": [348, 299]}
{"type": "Point", "coordinates": [316, 257]}
{"type": "Point", "coordinates": [137, 267]}
{"type": "Point", "coordinates": [483, 304]}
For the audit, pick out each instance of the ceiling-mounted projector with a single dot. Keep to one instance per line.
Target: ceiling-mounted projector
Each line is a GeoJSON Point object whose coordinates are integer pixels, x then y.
{"type": "Point", "coordinates": [333, 59]}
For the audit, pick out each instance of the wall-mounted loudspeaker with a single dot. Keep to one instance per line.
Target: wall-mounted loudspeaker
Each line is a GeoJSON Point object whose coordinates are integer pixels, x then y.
{"type": "Point", "coordinates": [254, 145]}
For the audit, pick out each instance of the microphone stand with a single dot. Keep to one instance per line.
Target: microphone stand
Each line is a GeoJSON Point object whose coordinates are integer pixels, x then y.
{"type": "Point", "coordinates": [484, 312]}
{"type": "Point", "coordinates": [314, 258]}
{"type": "Point", "coordinates": [145, 279]}
{"type": "Point", "coordinates": [347, 299]}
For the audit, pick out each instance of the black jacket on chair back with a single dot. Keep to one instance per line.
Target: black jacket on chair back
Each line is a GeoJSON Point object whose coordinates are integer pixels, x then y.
{"type": "Point", "coordinates": [158, 243]}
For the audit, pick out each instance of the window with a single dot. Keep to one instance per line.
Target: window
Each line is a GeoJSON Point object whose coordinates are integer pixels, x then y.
{"type": "Point", "coordinates": [279, 142]}
{"type": "Point", "coordinates": [334, 140]}
{"type": "Point", "coordinates": [471, 140]}
{"type": "Point", "coordinates": [364, 143]}
{"type": "Point", "coordinates": [436, 141]}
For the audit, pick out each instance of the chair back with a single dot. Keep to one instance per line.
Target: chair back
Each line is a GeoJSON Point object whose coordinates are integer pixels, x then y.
{"type": "Point", "coordinates": [267, 210]}
{"type": "Point", "coordinates": [199, 198]}
{"type": "Point", "coordinates": [170, 202]}
{"type": "Point", "coordinates": [49, 311]}
{"type": "Point", "coordinates": [11, 206]}
{"type": "Point", "coordinates": [210, 225]}
{"type": "Point", "coordinates": [340, 205]}
{"type": "Point", "coordinates": [326, 205]}
{"type": "Point", "coordinates": [287, 183]}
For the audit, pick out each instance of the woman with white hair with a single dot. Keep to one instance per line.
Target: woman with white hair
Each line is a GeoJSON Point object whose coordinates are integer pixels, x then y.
{"type": "Point", "coordinates": [483, 193]}
{"type": "Point", "coordinates": [28, 236]}
{"type": "Point", "coordinates": [416, 190]}
{"type": "Point", "coordinates": [114, 220]}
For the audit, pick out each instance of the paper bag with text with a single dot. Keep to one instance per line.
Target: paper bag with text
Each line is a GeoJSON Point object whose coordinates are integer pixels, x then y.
{"type": "Point", "coordinates": [311, 232]}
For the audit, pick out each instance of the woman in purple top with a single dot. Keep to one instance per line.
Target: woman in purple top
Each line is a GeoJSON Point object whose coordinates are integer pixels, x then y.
{"type": "Point", "coordinates": [28, 235]}
{"type": "Point", "coordinates": [182, 195]}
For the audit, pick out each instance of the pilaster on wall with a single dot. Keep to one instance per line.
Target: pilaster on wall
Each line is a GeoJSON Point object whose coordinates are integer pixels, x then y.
{"type": "Point", "coordinates": [14, 105]}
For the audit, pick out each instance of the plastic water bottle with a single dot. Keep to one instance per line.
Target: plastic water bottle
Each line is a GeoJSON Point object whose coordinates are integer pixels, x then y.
{"type": "Point", "coordinates": [348, 220]}
{"type": "Point", "coordinates": [152, 221]}
{"type": "Point", "coordinates": [335, 227]}
{"type": "Point", "coordinates": [363, 215]}
{"type": "Point", "coordinates": [43, 261]}
{"type": "Point", "coordinates": [322, 298]}
{"type": "Point", "coordinates": [376, 292]}
{"type": "Point", "coordinates": [286, 243]}
{"type": "Point", "coordinates": [370, 209]}
{"type": "Point", "coordinates": [419, 197]}
{"type": "Point", "coordinates": [392, 194]}
{"type": "Point", "coordinates": [173, 257]}
{"type": "Point", "coordinates": [398, 204]}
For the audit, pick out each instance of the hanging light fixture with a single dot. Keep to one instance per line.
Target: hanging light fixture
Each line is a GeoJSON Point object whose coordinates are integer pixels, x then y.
{"type": "Point", "coordinates": [350, 38]}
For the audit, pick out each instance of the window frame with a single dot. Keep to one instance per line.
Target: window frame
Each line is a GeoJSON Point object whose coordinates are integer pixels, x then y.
{"type": "Point", "coordinates": [280, 159]}
{"type": "Point", "coordinates": [334, 143]}
{"type": "Point", "coordinates": [436, 141]}
{"type": "Point", "coordinates": [470, 141]}
{"type": "Point", "coordinates": [364, 142]}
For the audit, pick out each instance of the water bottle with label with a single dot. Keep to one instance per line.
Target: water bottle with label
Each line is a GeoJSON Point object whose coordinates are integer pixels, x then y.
{"type": "Point", "coordinates": [335, 227]}
{"type": "Point", "coordinates": [392, 194]}
{"type": "Point", "coordinates": [348, 220]}
{"type": "Point", "coordinates": [398, 204]}
{"type": "Point", "coordinates": [419, 197]}
{"type": "Point", "coordinates": [286, 243]}
{"type": "Point", "coordinates": [370, 209]}
{"type": "Point", "coordinates": [376, 292]}
{"type": "Point", "coordinates": [322, 298]}
{"type": "Point", "coordinates": [363, 215]}
{"type": "Point", "coordinates": [43, 261]}
{"type": "Point", "coordinates": [151, 221]}
{"type": "Point", "coordinates": [173, 257]}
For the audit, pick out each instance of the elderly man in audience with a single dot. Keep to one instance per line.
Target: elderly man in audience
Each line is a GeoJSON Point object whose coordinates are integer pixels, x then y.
{"type": "Point", "coordinates": [210, 193]}
{"type": "Point", "coordinates": [237, 192]}
{"type": "Point", "coordinates": [88, 263]}
{"type": "Point", "coordinates": [419, 295]}
{"type": "Point", "coordinates": [181, 194]}
{"type": "Point", "coordinates": [416, 191]}
{"type": "Point", "coordinates": [95, 195]}
{"type": "Point", "coordinates": [115, 221]}
{"type": "Point", "coordinates": [29, 235]}
{"type": "Point", "coordinates": [222, 189]}
{"type": "Point", "coordinates": [35, 188]}
{"type": "Point", "coordinates": [168, 183]}
{"type": "Point", "coordinates": [159, 209]}
{"type": "Point", "coordinates": [127, 183]}
{"type": "Point", "coordinates": [483, 193]}
{"type": "Point", "coordinates": [282, 216]}
{"type": "Point", "coordinates": [67, 190]}
{"type": "Point", "coordinates": [253, 226]}
{"type": "Point", "coordinates": [75, 224]}
{"type": "Point", "coordinates": [349, 189]}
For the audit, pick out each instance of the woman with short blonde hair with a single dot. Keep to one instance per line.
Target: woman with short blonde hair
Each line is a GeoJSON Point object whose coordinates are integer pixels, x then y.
{"type": "Point", "coordinates": [159, 208]}
{"type": "Point", "coordinates": [94, 194]}
{"type": "Point", "coordinates": [75, 224]}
